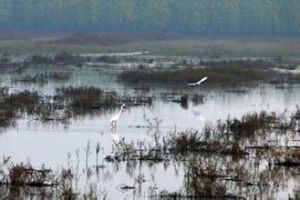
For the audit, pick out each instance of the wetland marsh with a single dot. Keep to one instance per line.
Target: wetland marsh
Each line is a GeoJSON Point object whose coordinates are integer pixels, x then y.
{"type": "Point", "coordinates": [225, 139]}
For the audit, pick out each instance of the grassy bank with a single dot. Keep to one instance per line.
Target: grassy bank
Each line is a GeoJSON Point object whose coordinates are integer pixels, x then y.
{"type": "Point", "coordinates": [226, 75]}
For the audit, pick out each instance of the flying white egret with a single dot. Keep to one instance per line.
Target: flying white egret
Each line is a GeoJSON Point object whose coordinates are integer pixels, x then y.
{"type": "Point", "coordinates": [199, 82]}
{"type": "Point", "coordinates": [116, 118]}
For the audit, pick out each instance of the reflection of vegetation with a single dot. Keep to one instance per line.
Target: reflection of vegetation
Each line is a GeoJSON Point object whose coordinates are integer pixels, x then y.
{"type": "Point", "coordinates": [202, 181]}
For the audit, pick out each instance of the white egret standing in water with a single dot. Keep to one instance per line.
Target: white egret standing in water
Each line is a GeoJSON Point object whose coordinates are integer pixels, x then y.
{"type": "Point", "coordinates": [116, 118]}
{"type": "Point", "coordinates": [199, 82]}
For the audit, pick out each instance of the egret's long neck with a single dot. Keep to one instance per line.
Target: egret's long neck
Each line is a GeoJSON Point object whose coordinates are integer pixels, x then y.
{"type": "Point", "coordinates": [120, 111]}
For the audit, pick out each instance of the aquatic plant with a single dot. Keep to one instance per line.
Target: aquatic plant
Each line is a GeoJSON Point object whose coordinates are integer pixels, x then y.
{"type": "Point", "coordinates": [95, 98]}
{"type": "Point", "coordinates": [26, 175]}
{"type": "Point", "coordinates": [11, 105]}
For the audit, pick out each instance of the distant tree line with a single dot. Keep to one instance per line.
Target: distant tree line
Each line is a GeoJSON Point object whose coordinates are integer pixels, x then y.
{"type": "Point", "coordinates": [199, 17]}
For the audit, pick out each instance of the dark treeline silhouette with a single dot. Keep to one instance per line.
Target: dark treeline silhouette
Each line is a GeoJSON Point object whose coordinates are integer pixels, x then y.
{"type": "Point", "coordinates": [199, 17]}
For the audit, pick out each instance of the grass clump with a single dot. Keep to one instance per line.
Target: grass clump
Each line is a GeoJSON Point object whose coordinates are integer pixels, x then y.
{"type": "Point", "coordinates": [87, 97]}
{"type": "Point", "coordinates": [79, 91]}
{"type": "Point", "coordinates": [108, 59]}
{"type": "Point", "coordinates": [39, 59]}
{"type": "Point", "coordinates": [22, 181]}
{"type": "Point", "coordinates": [7, 118]}
{"type": "Point", "coordinates": [184, 142]}
{"type": "Point", "coordinates": [250, 123]}
{"type": "Point", "coordinates": [25, 175]}
{"type": "Point", "coordinates": [25, 101]}
{"type": "Point", "coordinates": [43, 78]}
{"type": "Point", "coordinates": [288, 158]}
{"type": "Point", "coordinates": [65, 58]}
{"type": "Point", "coordinates": [95, 98]}
{"type": "Point", "coordinates": [12, 105]}
{"type": "Point", "coordinates": [62, 58]}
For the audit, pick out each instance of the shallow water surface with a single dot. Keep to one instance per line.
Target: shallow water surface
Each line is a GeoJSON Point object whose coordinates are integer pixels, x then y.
{"type": "Point", "coordinates": [66, 145]}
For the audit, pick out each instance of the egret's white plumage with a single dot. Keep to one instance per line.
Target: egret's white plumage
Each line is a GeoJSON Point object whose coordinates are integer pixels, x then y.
{"type": "Point", "coordinates": [116, 118]}
{"type": "Point", "coordinates": [199, 82]}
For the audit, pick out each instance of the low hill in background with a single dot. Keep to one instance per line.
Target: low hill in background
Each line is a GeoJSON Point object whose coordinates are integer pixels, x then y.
{"type": "Point", "coordinates": [113, 39]}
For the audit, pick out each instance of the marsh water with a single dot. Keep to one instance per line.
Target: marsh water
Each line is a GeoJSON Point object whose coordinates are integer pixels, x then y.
{"type": "Point", "coordinates": [72, 145]}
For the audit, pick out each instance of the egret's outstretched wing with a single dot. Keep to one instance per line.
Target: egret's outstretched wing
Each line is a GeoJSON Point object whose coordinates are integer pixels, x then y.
{"type": "Point", "coordinates": [202, 80]}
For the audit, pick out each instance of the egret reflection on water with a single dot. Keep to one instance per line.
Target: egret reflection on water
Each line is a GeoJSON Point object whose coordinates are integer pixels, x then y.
{"type": "Point", "coordinates": [115, 136]}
